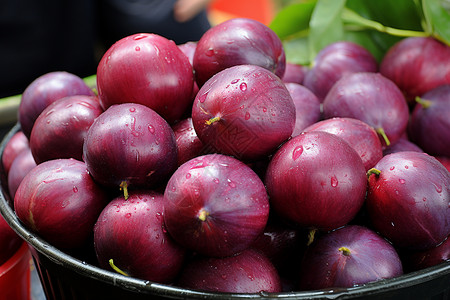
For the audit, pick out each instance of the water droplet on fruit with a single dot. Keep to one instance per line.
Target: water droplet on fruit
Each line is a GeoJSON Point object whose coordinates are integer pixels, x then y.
{"type": "Point", "coordinates": [241, 107]}
{"type": "Point", "coordinates": [243, 86]}
{"type": "Point", "coordinates": [392, 224]}
{"type": "Point", "coordinates": [151, 129]}
{"type": "Point", "coordinates": [247, 115]}
{"type": "Point", "coordinates": [234, 81]}
{"type": "Point", "coordinates": [128, 215]}
{"type": "Point", "coordinates": [334, 182]}
{"type": "Point", "coordinates": [230, 183]}
{"type": "Point", "coordinates": [209, 52]}
{"type": "Point", "coordinates": [406, 167]}
{"type": "Point", "coordinates": [202, 98]}
{"type": "Point", "coordinates": [139, 37]}
{"type": "Point", "coordinates": [438, 188]}
{"type": "Point", "coordinates": [216, 180]}
{"type": "Point", "coordinates": [132, 109]}
{"type": "Point", "coordinates": [392, 168]}
{"type": "Point", "coordinates": [297, 152]}
{"type": "Point", "coordinates": [424, 199]}
{"type": "Point", "coordinates": [137, 48]}
{"type": "Point", "coordinates": [402, 181]}
{"type": "Point", "coordinates": [75, 189]}
{"type": "Point", "coordinates": [264, 109]}
{"type": "Point", "coordinates": [188, 175]}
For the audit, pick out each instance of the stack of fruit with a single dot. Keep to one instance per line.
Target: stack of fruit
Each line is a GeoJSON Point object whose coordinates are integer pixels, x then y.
{"type": "Point", "coordinates": [206, 166]}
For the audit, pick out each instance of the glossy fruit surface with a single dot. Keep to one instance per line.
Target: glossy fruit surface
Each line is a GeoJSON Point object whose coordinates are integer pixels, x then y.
{"type": "Point", "coordinates": [61, 128]}
{"type": "Point", "coordinates": [59, 201]}
{"type": "Point", "coordinates": [408, 202]}
{"type": "Point", "coordinates": [130, 144]}
{"type": "Point", "coordinates": [417, 65]}
{"type": "Point", "coordinates": [239, 41]}
{"type": "Point", "coordinates": [45, 90]}
{"type": "Point", "coordinates": [316, 180]}
{"type": "Point", "coordinates": [346, 257]}
{"type": "Point", "coordinates": [132, 233]}
{"type": "Point", "coordinates": [246, 272]}
{"type": "Point", "coordinates": [244, 111]}
{"type": "Point", "coordinates": [372, 98]}
{"type": "Point", "coordinates": [147, 69]}
{"type": "Point", "coordinates": [215, 205]}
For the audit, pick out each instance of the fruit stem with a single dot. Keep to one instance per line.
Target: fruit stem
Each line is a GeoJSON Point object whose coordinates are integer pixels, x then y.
{"type": "Point", "coordinates": [311, 234]}
{"type": "Point", "coordinates": [351, 17]}
{"type": "Point", "coordinates": [425, 103]}
{"type": "Point", "coordinates": [124, 187]}
{"type": "Point", "coordinates": [115, 268]}
{"type": "Point", "coordinates": [212, 120]}
{"type": "Point", "coordinates": [373, 171]}
{"type": "Point", "coordinates": [381, 132]}
{"type": "Point", "coordinates": [345, 251]}
{"type": "Point", "coordinates": [202, 215]}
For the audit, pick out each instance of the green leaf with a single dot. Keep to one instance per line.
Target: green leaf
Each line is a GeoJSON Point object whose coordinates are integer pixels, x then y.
{"type": "Point", "coordinates": [401, 14]}
{"type": "Point", "coordinates": [297, 51]}
{"type": "Point", "coordinates": [292, 19]}
{"type": "Point", "coordinates": [437, 13]}
{"type": "Point", "coordinates": [326, 25]}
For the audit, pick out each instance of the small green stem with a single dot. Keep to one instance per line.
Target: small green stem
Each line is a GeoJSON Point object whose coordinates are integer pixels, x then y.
{"type": "Point", "coordinates": [202, 215]}
{"type": "Point", "coordinates": [345, 251]}
{"type": "Point", "coordinates": [311, 235]}
{"type": "Point", "coordinates": [124, 187]}
{"type": "Point", "coordinates": [425, 103]}
{"type": "Point", "coordinates": [381, 132]}
{"type": "Point", "coordinates": [212, 120]}
{"type": "Point", "coordinates": [115, 268]}
{"type": "Point", "coordinates": [373, 171]}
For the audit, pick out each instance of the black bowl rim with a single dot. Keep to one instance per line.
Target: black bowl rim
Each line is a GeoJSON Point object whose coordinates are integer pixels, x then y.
{"type": "Point", "coordinates": [146, 287]}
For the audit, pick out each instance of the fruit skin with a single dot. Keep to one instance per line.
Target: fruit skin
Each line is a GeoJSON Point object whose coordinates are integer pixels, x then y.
{"type": "Point", "coordinates": [59, 201]}
{"type": "Point", "coordinates": [417, 65]}
{"type": "Point", "coordinates": [188, 143]}
{"type": "Point", "coordinates": [16, 143]}
{"type": "Point", "coordinates": [61, 128]}
{"type": "Point", "coordinates": [419, 260]}
{"type": "Point", "coordinates": [246, 272]}
{"type": "Point", "coordinates": [409, 201]}
{"type": "Point", "coordinates": [429, 124]}
{"type": "Point", "coordinates": [335, 61]}
{"type": "Point", "coordinates": [370, 258]}
{"type": "Point", "coordinates": [10, 242]}
{"type": "Point", "coordinates": [316, 180]}
{"type": "Point", "coordinates": [238, 41]}
{"type": "Point", "coordinates": [22, 164]}
{"type": "Point", "coordinates": [215, 205]}
{"type": "Point", "coordinates": [372, 98]}
{"type": "Point", "coordinates": [358, 134]}
{"type": "Point", "coordinates": [133, 234]}
{"type": "Point", "coordinates": [403, 144]}
{"type": "Point", "coordinates": [130, 143]}
{"type": "Point", "coordinates": [245, 111]}
{"type": "Point", "coordinates": [294, 73]}
{"type": "Point", "coordinates": [307, 107]}
{"type": "Point", "coordinates": [45, 90]}
{"type": "Point", "coordinates": [147, 69]}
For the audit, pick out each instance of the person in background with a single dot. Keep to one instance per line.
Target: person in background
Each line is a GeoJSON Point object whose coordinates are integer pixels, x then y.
{"type": "Point", "coordinates": [37, 37]}
{"type": "Point", "coordinates": [178, 20]}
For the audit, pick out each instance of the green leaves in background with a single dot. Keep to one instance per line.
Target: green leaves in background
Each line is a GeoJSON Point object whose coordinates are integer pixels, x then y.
{"type": "Point", "coordinates": [437, 14]}
{"type": "Point", "coordinates": [308, 26]}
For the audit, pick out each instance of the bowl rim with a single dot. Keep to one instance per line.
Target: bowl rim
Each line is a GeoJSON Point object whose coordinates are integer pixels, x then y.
{"type": "Point", "coordinates": [147, 287]}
